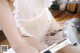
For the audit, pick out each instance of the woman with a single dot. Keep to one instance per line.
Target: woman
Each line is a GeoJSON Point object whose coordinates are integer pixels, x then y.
{"type": "Point", "coordinates": [28, 27]}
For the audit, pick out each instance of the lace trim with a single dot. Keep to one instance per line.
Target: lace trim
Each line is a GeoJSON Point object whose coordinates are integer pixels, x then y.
{"type": "Point", "coordinates": [16, 11]}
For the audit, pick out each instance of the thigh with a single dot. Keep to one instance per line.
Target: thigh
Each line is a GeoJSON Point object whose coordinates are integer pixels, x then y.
{"type": "Point", "coordinates": [35, 43]}
{"type": "Point", "coordinates": [70, 49]}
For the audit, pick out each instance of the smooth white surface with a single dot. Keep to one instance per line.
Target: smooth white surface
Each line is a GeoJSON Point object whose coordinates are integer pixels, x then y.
{"type": "Point", "coordinates": [71, 31]}
{"type": "Point", "coordinates": [57, 47]}
{"type": "Point", "coordinates": [60, 46]}
{"type": "Point", "coordinates": [52, 48]}
{"type": "Point", "coordinates": [10, 51]}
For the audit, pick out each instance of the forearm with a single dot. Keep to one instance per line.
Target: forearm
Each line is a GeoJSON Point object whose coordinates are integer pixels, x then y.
{"type": "Point", "coordinates": [8, 25]}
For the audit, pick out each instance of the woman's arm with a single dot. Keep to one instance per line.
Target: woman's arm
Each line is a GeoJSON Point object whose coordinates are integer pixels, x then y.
{"type": "Point", "coordinates": [8, 25]}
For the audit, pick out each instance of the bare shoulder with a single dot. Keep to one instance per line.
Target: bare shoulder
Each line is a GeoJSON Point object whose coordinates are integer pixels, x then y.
{"type": "Point", "coordinates": [3, 2]}
{"type": "Point", "coordinates": [4, 5]}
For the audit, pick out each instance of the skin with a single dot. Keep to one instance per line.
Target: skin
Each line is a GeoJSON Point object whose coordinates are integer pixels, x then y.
{"type": "Point", "coordinates": [70, 49]}
{"type": "Point", "coordinates": [8, 25]}
{"type": "Point", "coordinates": [18, 43]}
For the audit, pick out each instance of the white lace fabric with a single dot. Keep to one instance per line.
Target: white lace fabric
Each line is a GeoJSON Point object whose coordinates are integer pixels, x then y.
{"type": "Point", "coordinates": [33, 17]}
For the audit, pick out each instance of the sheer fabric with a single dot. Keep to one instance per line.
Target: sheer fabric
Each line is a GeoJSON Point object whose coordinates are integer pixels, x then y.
{"type": "Point", "coordinates": [33, 17]}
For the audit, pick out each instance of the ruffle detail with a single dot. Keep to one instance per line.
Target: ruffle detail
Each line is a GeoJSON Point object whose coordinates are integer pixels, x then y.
{"type": "Point", "coordinates": [15, 12]}
{"type": "Point", "coordinates": [18, 18]}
